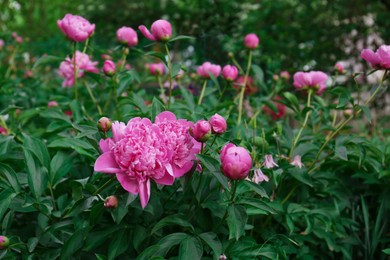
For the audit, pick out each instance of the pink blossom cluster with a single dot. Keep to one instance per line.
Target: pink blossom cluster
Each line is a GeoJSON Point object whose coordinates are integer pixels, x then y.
{"type": "Point", "coordinates": [310, 80]}
{"type": "Point", "coordinates": [141, 151]}
{"type": "Point", "coordinates": [83, 63]}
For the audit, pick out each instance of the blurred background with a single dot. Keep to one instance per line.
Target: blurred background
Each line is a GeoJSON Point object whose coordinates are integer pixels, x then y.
{"type": "Point", "coordinates": [295, 34]}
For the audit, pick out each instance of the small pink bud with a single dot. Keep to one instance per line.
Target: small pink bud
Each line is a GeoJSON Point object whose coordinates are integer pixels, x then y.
{"type": "Point", "coordinates": [104, 124]}
{"type": "Point", "coordinates": [229, 72]}
{"type": "Point", "coordinates": [251, 41]}
{"type": "Point", "coordinates": [75, 27]}
{"type": "Point", "coordinates": [269, 162]}
{"type": "Point", "coordinates": [156, 69]}
{"type": "Point", "coordinates": [4, 242]}
{"type": "Point", "coordinates": [52, 104]}
{"type": "Point", "coordinates": [218, 124]}
{"type": "Point", "coordinates": [235, 162]}
{"type": "Point", "coordinates": [28, 74]}
{"type": "Point", "coordinates": [127, 36]}
{"type": "Point", "coordinates": [222, 257]}
{"type": "Point", "coordinates": [285, 75]}
{"type": "Point", "coordinates": [109, 68]}
{"type": "Point", "coordinates": [339, 68]}
{"type": "Point", "coordinates": [111, 202]}
{"type": "Point", "coordinates": [201, 131]}
{"type": "Point", "coordinates": [3, 131]}
{"type": "Point", "coordinates": [106, 57]}
{"type": "Point", "coordinates": [275, 77]}
{"type": "Point", "coordinates": [161, 30]}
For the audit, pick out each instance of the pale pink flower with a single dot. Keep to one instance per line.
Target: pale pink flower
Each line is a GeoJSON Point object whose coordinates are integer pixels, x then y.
{"type": "Point", "coordinates": [379, 59]}
{"type": "Point", "coordinates": [127, 35]}
{"type": "Point", "coordinates": [275, 77]}
{"type": "Point", "coordinates": [269, 162]}
{"type": "Point", "coordinates": [339, 68]}
{"type": "Point", "coordinates": [313, 79]}
{"type": "Point", "coordinates": [161, 30]}
{"type": "Point", "coordinates": [251, 41]}
{"type": "Point", "coordinates": [75, 27]}
{"type": "Point", "coordinates": [235, 162]}
{"type": "Point", "coordinates": [259, 176]}
{"type": "Point", "coordinates": [297, 161]}
{"type": "Point", "coordinates": [4, 242]}
{"type": "Point", "coordinates": [206, 68]}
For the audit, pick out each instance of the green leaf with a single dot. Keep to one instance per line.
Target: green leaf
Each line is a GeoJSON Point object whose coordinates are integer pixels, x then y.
{"type": "Point", "coordinates": [178, 219]}
{"type": "Point", "coordinates": [60, 165]}
{"type": "Point", "coordinates": [181, 37]}
{"type": "Point", "coordinates": [38, 148]}
{"type": "Point", "coordinates": [386, 251]}
{"type": "Point", "coordinates": [341, 152]}
{"type": "Point", "coordinates": [158, 55]}
{"type": "Point", "coordinates": [256, 188]}
{"type": "Point", "coordinates": [6, 198]}
{"type": "Point", "coordinates": [366, 112]}
{"type": "Point", "coordinates": [139, 102]}
{"type": "Point", "coordinates": [190, 249]}
{"type": "Point", "coordinates": [79, 145]}
{"type": "Point", "coordinates": [73, 244]}
{"type": "Point", "coordinates": [10, 176]}
{"type": "Point", "coordinates": [119, 244]}
{"type": "Point", "coordinates": [37, 175]}
{"type": "Point", "coordinates": [211, 239]}
{"type": "Point", "coordinates": [188, 98]}
{"type": "Point", "coordinates": [258, 73]}
{"type": "Point", "coordinates": [75, 106]}
{"type": "Point", "coordinates": [236, 220]}
{"type": "Point", "coordinates": [156, 108]}
{"type": "Point", "coordinates": [211, 164]}
{"type": "Point", "coordinates": [46, 59]}
{"type": "Point", "coordinates": [293, 101]}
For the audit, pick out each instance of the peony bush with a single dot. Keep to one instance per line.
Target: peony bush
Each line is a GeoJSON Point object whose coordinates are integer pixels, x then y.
{"type": "Point", "coordinates": [103, 157]}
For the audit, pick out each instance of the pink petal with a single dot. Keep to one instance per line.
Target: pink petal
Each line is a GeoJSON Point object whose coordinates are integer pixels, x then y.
{"type": "Point", "coordinates": [128, 183]}
{"type": "Point", "coordinates": [104, 145]}
{"type": "Point", "coordinates": [318, 78]}
{"type": "Point", "coordinates": [299, 80]}
{"type": "Point", "coordinates": [180, 171]}
{"type": "Point", "coordinates": [167, 179]}
{"type": "Point", "coordinates": [106, 163]}
{"type": "Point", "coordinates": [371, 57]}
{"type": "Point", "coordinates": [146, 33]}
{"type": "Point", "coordinates": [165, 116]}
{"type": "Point", "coordinates": [144, 192]}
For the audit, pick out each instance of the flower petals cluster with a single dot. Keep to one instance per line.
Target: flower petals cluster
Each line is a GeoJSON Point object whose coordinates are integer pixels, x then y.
{"type": "Point", "coordinates": [83, 63]}
{"type": "Point", "coordinates": [75, 27]}
{"type": "Point", "coordinates": [161, 30]}
{"type": "Point", "coordinates": [127, 36]}
{"type": "Point", "coordinates": [379, 59]}
{"type": "Point", "coordinates": [141, 151]}
{"type": "Point", "coordinates": [206, 68]}
{"type": "Point", "coordinates": [310, 80]}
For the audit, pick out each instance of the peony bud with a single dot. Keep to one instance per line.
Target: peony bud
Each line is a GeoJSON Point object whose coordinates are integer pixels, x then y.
{"type": "Point", "coordinates": [52, 104]}
{"type": "Point", "coordinates": [4, 242]}
{"type": "Point", "coordinates": [111, 202]}
{"type": "Point", "coordinates": [285, 75]}
{"type": "Point", "coordinates": [275, 77]}
{"type": "Point", "coordinates": [76, 28]}
{"type": "Point", "coordinates": [104, 124]}
{"type": "Point", "coordinates": [251, 41]}
{"type": "Point", "coordinates": [339, 68]}
{"type": "Point", "coordinates": [106, 57]}
{"type": "Point", "coordinates": [229, 72]}
{"type": "Point", "coordinates": [201, 131]}
{"type": "Point", "coordinates": [235, 162]}
{"type": "Point", "coordinates": [161, 30]}
{"type": "Point", "coordinates": [127, 36]}
{"type": "Point", "coordinates": [156, 69]}
{"type": "Point", "coordinates": [218, 124]}
{"type": "Point", "coordinates": [109, 68]}
{"type": "Point", "coordinates": [206, 68]}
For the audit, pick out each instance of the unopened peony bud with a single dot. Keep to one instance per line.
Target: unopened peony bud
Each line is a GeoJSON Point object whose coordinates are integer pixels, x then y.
{"type": "Point", "coordinates": [235, 162]}
{"type": "Point", "coordinates": [229, 72]}
{"type": "Point", "coordinates": [201, 131]}
{"type": "Point", "coordinates": [109, 68]}
{"type": "Point", "coordinates": [104, 124]}
{"type": "Point", "coordinates": [4, 242]}
{"type": "Point", "coordinates": [111, 202]}
{"type": "Point", "coordinates": [339, 68]}
{"type": "Point", "coordinates": [52, 104]}
{"type": "Point", "coordinates": [106, 57]}
{"type": "Point", "coordinates": [156, 69]}
{"type": "Point", "coordinates": [127, 36]}
{"type": "Point", "coordinates": [285, 75]}
{"type": "Point", "coordinates": [251, 41]}
{"type": "Point", "coordinates": [161, 30]}
{"type": "Point", "coordinates": [218, 124]}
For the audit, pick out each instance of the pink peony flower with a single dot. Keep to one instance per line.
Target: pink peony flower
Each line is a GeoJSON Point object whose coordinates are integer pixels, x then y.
{"type": "Point", "coordinates": [28, 74]}
{"type": "Point", "coordinates": [109, 68]}
{"type": "Point", "coordinates": [379, 59]}
{"type": "Point", "coordinates": [250, 87]}
{"type": "Point", "coordinates": [230, 72]}
{"type": "Point", "coordinates": [281, 110]}
{"type": "Point", "coordinates": [258, 177]}
{"type": "Point", "coordinates": [251, 41]}
{"type": "Point", "coordinates": [156, 69]}
{"type": "Point", "coordinates": [269, 162]}
{"type": "Point", "coordinates": [75, 27]}
{"type": "Point", "coordinates": [52, 104]}
{"type": "Point", "coordinates": [161, 30]}
{"type": "Point", "coordinates": [235, 162]}
{"type": "Point", "coordinates": [339, 68]}
{"type": "Point", "coordinates": [106, 57]}
{"type": "Point", "coordinates": [313, 79]}
{"type": "Point", "coordinates": [297, 161]}
{"type": "Point", "coordinates": [201, 131]}
{"type": "Point", "coordinates": [285, 75]}
{"type": "Point", "coordinates": [4, 242]}
{"type": "Point", "coordinates": [111, 202]}
{"type": "Point", "coordinates": [206, 68]}
{"type": "Point", "coordinates": [141, 151]}
{"type": "Point", "coordinates": [3, 131]}
{"type": "Point", "coordinates": [127, 36]}
{"type": "Point", "coordinates": [218, 124]}
{"type": "Point", "coordinates": [83, 63]}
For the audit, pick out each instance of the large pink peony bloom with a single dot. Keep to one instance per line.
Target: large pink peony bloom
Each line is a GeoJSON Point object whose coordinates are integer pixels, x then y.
{"type": "Point", "coordinates": [379, 59]}
{"type": "Point", "coordinates": [83, 63]}
{"type": "Point", "coordinates": [141, 151]}
{"type": "Point", "coordinates": [313, 79]}
{"type": "Point", "coordinates": [76, 27]}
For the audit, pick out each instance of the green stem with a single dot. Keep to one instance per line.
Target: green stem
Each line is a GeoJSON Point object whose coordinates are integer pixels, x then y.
{"type": "Point", "coordinates": [104, 185]}
{"type": "Point", "coordinates": [93, 98]}
{"type": "Point", "coordinates": [289, 195]}
{"type": "Point", "coordinates": [237, 65]}
{"type": "Point", "coordinates": [169, 62]}
{"type": "Point", "coordinates": [86, 45]}
{"type": "Point", "coordinates": [346, 121]}
{"type": "Point", "coordinates": [296, 139]}
{"type": "Point", "coordinates": [125, 52]}
{"type": "Point", "coordinates": [75, 69]}
{"type": "Point", "coordinates": [202, 92]}
{"type": "Point", "coordinates": [163, 97]}
{"type": "Point", "coordinates": [240, 104]}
